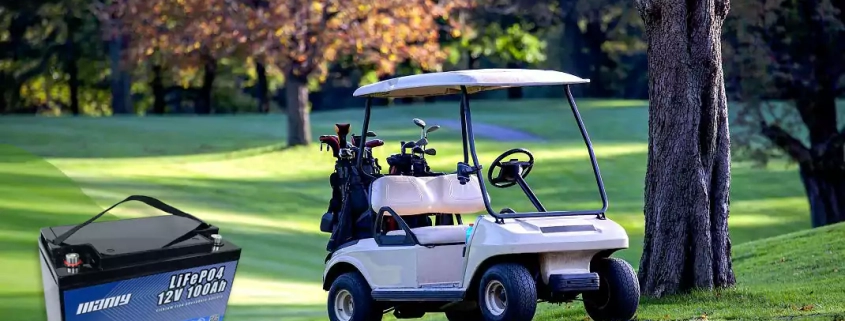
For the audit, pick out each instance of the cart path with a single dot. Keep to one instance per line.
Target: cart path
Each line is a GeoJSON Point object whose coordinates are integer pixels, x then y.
{"type": "Point", "coordinates": [490, 131]}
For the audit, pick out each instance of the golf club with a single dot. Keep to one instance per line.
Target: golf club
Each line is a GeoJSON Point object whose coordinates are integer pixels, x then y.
{"type": "Point", "coordinates": [406, 145]}
{"type": "Point", "coordinates": [431, 129]}
{"type": "Point", "coordinates": [421, 124]}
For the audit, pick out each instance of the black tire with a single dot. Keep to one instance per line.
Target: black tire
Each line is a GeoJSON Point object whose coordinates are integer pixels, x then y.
{"type": "Point", "coordinates": [469, 315]}
{"type": "Point", "coordinates": [352, 285]}
{"type": "Point", "coordinates": [520, 293]}
{"type": "Point", "coordinates": [618, 296]}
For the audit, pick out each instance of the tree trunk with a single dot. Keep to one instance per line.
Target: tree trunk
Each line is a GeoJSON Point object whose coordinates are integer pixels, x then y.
{"type": "Point", "coordinates": [3, 103]}
{"type": "Point", "coordinates": [120, 83]}
{"type": "Point", "coordinates": [514, 92]}
{"type": "Point", "coordinates": [826, 193]}
{"type": "Point", "coordinates": [572, 59]}
{"type": "Point", "coordinates": [299, 127]}
{"type": "Point", "coordinates": [822, 167]}
{"type": "Point", "coordinates": [71, 64]}
{"type": "Point", "coordinates": [159, 104]}
{"type": "Point", "coordinates": [472, 60]}
{"type": "Point", "coordinates": [204, 105]}
{"type": "Point", "coordinates": [597, 58]}
{"type": "Point", "coordinates": [73, 83]}
{"type": "Point", "coordinates": [686, 243]}
{"type": "Point", "coordinates": [263, 88]}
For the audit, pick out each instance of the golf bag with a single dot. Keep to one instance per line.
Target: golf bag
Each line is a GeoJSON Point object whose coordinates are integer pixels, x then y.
{"type": "Point", "coordinates": [349, 215]}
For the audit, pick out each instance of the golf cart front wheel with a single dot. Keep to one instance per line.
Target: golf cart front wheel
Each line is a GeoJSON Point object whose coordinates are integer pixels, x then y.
{"type": "Point", "coordinates": [507, 292]}
{"type": "Point", "coordinates": [350, 300]}
{"type": "Point", "coordinates": [618, 295]}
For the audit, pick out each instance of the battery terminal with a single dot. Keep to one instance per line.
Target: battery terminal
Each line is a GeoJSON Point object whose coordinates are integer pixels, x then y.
{"type": "Point", "coordinates": [72, 262]}
{"type": "Point", "coordinates": [218, 241]}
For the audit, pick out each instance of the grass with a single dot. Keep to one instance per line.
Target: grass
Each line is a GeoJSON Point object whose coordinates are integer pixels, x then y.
{"type": "Point", "coordinates": [232, 172]}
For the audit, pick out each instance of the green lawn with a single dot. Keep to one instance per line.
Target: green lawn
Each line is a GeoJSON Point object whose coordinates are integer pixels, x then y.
{"type": "Point", "coordinates": [232, 172]}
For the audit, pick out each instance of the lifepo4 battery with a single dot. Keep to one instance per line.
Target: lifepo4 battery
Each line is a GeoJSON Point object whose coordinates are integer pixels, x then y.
{"type": "Point", "coordinates": [172, 267]}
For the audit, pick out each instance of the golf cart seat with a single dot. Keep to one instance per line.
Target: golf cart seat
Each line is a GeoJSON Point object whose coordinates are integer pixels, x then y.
{"type": "Point", "coordinates": [410, 195]}
{"type": "Point", "coordinates": [437, 235]}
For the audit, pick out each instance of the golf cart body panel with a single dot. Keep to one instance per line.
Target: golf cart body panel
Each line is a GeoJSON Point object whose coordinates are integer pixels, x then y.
{"type": "Point", "coordinates": [402, 267]}
{"type": "Point", "coordinates": [476, 80]}
{"type": "Point", "coordinates": [442, 265]}
{"type": "Point", "coordinates": [381, 266]}
{"type": "Point", "coordinates": [564, 244]}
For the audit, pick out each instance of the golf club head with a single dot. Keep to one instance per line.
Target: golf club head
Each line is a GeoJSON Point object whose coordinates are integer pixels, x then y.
{"type": "Point", "coordinates": [417, 149]}
{"type": "Point", "coordinates": [406, 145]}
{"type": "Point", "coordinates": [374, 143]}
{"type": "Point", "coordinates": [432, 128]}
{"type": "Point", "coordinates": [431, 152]}
{"type": "Point", "coordinates": [422, 142]}
{"type": "Point", "coordinates": [419, 122]}
{"type": "Point", "coordinates": [371, 134]}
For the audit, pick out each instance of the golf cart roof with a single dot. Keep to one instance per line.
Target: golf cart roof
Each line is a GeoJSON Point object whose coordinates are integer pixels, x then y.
{"type": "Point", "coordinates": [475, 80]}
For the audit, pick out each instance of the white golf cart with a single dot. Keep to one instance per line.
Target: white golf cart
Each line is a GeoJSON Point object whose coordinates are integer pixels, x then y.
{"type": "Point", "coordinates": [498, 269]}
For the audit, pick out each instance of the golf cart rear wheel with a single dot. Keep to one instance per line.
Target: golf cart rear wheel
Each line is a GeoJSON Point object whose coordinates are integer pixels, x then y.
{"type": "Point", "coordinates": [618, 295]}
{"type": "Point", "coordinates": [350, 300]}
{"type": "Point", "coordinates": [507, 291]}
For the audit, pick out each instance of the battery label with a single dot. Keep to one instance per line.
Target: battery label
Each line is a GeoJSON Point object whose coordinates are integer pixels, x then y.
{"type": "Point", "coordinates": [195, 294]}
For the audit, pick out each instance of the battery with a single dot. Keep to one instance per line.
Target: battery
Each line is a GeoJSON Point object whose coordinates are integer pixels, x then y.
{"type": "Point", "coordinates": [170, 267]}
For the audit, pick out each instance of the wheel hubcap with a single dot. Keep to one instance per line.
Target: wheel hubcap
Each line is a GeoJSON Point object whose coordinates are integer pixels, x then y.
{"type": "Point", "coordinates": [343, 305]}
{"type": "Point", "coordinates": [495, 297]}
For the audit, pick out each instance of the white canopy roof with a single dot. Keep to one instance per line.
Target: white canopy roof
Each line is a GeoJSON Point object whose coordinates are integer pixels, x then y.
{"type": "Point", "coordinates": [475, 80]}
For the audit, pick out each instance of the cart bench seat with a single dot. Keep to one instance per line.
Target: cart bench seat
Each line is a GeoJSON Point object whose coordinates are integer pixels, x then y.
{"type": "Point", "coordinates": [410, 195]}
{"type": "Point", "coordinates": [437, 235]}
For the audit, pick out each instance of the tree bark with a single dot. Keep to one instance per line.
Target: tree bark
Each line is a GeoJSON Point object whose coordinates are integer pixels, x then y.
{"type": "Point", "coordinates": [263, 88]}
{"type": "Point", "coordinates": [686, 243]}
{"type": "Point", "coordinates": [159, 104]}
{"type": "Point", "coordinates": [205, 100]}
{"type": "Point", "coordinates": [299, 124]}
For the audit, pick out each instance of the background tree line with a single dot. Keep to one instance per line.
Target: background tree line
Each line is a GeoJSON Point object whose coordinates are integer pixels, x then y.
{"type": "Point", "coordinates": [783, 61]}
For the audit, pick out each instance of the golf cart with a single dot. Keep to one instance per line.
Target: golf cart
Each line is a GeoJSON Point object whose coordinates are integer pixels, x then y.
{"type": "Point", "coordinates": [398, 242]}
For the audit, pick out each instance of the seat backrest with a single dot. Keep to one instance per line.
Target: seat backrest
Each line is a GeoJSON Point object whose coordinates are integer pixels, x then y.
{"type": "Point", "coordinates": [409, 195]}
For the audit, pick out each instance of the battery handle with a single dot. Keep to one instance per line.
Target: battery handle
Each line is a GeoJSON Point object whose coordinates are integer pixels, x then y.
{"type": "Point", "coordinates": [59, 241]}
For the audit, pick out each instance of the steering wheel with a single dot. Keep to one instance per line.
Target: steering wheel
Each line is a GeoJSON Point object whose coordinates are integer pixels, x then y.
{"type": "Point", "coordinates": [508, 170]}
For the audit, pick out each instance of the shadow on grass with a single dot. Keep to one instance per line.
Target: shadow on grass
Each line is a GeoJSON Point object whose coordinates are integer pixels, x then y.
{"type": "Point", "coordinates": [275, 221]}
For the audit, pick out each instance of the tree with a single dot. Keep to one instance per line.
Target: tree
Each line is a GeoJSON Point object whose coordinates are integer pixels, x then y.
{"type": "Point", "coordinates": [686, 242]}
{"type": "Point", "coordinates": [26, 49]}
{"type": "Point", "coordinates": [793, 50]}
{"type": "Point", "coordinates": [180, 36]}
{"type": "Point", "coordinates": [507, 39]}
{"type": "Point", "coordinates": [302, 37]}
{"type": "Point", "coordinates": [597, 35]}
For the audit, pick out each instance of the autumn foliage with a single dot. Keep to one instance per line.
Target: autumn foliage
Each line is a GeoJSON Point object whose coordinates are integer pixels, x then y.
{"type": "Point", "coordinates": [298, 37]}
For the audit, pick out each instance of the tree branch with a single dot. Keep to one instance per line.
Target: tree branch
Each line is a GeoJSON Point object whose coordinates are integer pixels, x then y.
{"type": "Point", "coordinates": [793, 147]}
{"type": "Point", "coordinates": [832, 145]}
